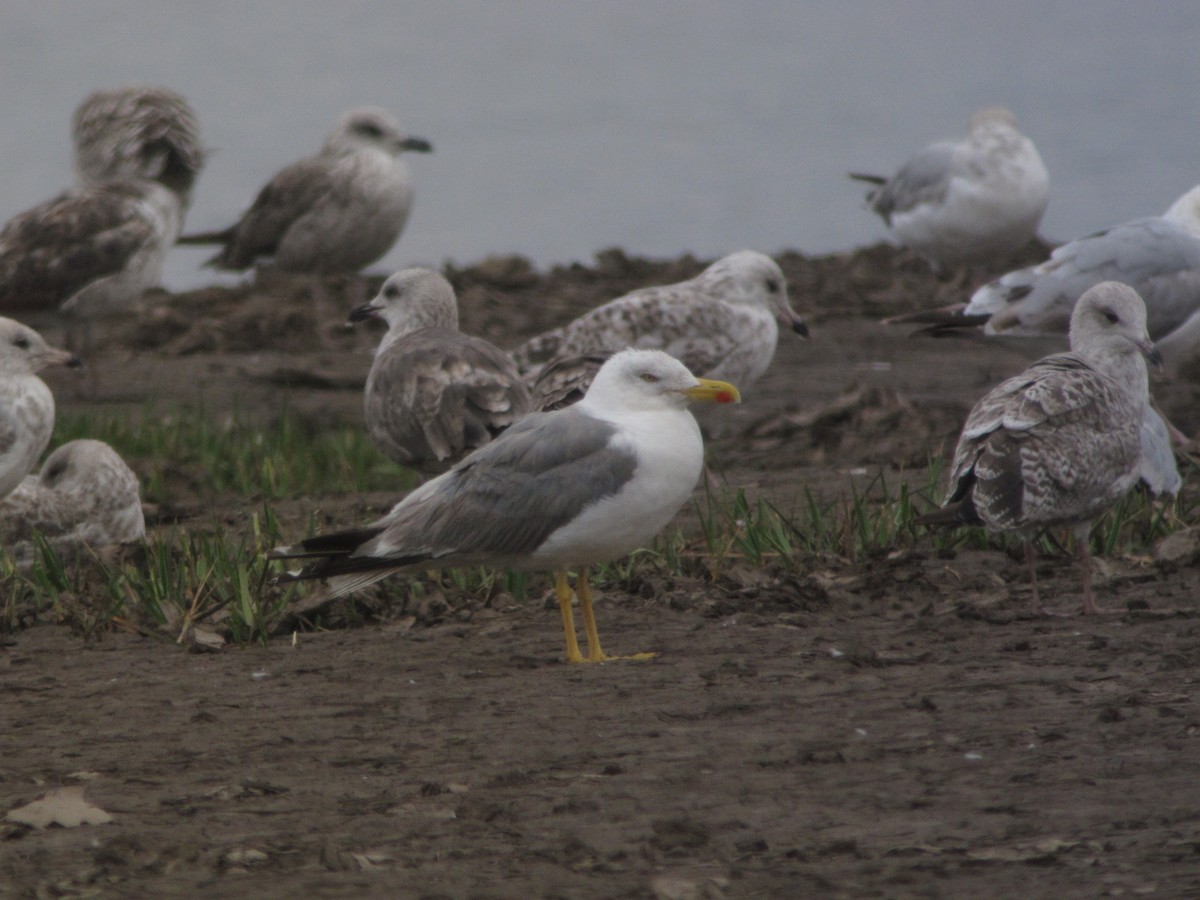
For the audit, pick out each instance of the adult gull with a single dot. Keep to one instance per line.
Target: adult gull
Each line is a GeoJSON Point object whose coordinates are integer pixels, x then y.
{"type": "Point", "coordinates": [562, 489]}
{"type": "Point", "coordinates": [83, 496]}
{"type": "Point", "coordinates": [958, 202]}
{"type": "Point", "coordinates": [332, 213]}
{"type": "Point", "coordinates": [434, 393]}
{"type": "Point", "coordinates": [1060, 443]}
{"type": "Point", "coordinates": [1158, 256]}
{"type": "Point", "coordinates": [721, 324]}
{"type": "Point", "coordinates": [26, 404]}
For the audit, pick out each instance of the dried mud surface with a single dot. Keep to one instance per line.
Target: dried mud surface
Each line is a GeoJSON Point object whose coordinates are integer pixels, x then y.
{"type": "Point", "coordinates": [893, 727]}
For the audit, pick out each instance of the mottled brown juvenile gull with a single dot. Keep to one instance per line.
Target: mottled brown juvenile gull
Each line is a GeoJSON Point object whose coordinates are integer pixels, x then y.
{"type": "Point", "coordinates": [720, 324]}
{"type": "Point", "coordinates": [332, 213]}
{"type": "Point", "coordinates": [573, 487]}
{"type": "Point", "coordinates": [90, 250]}
{"type": "Point", "coordinates": [959, 202]}
{"type": "Point", "coordinates": [84, 496]}
{"type": "Point", "coordinates": [138, 131]}
{"type": "Point", "coordinates": [97, 247]}
{"type": "Point", "coordinates": [1158, 256]}
{"type": "Point", "coordinates": [434, 393]}
{"type": "Point", "coordinates": [26, 404]}
{"type": "Point", "coordinates": [1060, 443]}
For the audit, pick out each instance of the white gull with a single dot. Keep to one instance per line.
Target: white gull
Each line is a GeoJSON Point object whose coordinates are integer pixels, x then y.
{"type": "Point", "coordinates": [967, 201]}
{"type": "Point", "coordinates": [573, 487]}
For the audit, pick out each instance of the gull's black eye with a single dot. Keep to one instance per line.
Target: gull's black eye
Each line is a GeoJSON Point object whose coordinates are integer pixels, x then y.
{"type": "Point", "coordinates": [22, 342]}
{"type": "Point", "coordinates": [772, 286]}
{"type": "Point", "coordinates": [391, 291]}
{"type": "Point", "coordinates": [649, 377]}
{"type": "Point", "coordinates": [1112, 317]}
{"type": "Point", "coordinates": [55, 472]}
{"type": "Point", "coordinates": [370, 129]}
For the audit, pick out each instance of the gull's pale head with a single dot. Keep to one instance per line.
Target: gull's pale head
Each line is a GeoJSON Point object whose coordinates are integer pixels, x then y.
{"type": "Point", "coordinates": [1110, 320]}
{"type": "Point", "coordinates": [23, 351]}
{"type": "Point", "coordinates": [652, 379]}
{"type": "Point", "coordinates": [370, 126]}
{"type": "Point", "coordinates": [993, 116]}
{"type": "Point", "coordinates": [410, 300]}
{"type": "Point", "coordinates": [754, 279]}
{"type": "Point", "coordinates": [1186, 210]}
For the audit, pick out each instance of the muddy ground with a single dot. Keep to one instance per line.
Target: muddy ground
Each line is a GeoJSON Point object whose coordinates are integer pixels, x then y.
{"type": "Point", "coordinates": [895, 726]}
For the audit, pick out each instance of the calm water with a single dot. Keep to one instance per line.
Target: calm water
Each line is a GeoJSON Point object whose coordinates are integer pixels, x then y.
{"type": "Point", "coordinates": [563, 128]}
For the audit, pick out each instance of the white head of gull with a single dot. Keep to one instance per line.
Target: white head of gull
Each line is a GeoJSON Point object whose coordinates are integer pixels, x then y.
{"type": "Point", "coordinates": [1062, 442]}
{"type": "Point", "coordinates": [573, 487]}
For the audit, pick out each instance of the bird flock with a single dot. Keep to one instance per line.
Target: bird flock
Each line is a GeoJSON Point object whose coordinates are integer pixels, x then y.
{"type": "Point", "coordinates": [578, 446]}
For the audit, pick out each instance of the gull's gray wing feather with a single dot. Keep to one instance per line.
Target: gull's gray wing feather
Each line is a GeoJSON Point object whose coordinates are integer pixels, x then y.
{"type": "Point", "coordinates": [504, 500]}
{"type": "Point", "coordinates": [1155, 256]}
{"type": "Point", "coordinates": [291, 194]}
{"type": "Point", "coordinates": [925, 178]}
{"type": "Point", "coordinates": [496, 507]}
{"type": "Point", "coordinates": [1158, 470]}
{"type": "Point", "coordinates": [436, 394]}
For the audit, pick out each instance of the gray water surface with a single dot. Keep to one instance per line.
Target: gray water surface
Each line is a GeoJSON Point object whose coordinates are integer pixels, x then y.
{"type": "Point", "coordinates": [561, 128]}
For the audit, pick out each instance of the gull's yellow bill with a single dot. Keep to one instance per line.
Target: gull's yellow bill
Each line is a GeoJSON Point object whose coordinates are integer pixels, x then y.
{"type": "Point", "coordinates": [714, 391]}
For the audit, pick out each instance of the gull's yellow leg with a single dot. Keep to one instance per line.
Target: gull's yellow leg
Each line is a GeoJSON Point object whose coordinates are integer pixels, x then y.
{"type": "Point", "coordinates": [563, 592]}
{"type": "Point", "coordinates": [584, 591]}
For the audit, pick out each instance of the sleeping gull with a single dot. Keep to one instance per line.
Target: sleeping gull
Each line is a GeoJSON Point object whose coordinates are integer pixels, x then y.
{"type": "Point", "coordinates": [959, 202]}
{"type": "Point", "coordinates": [1060, 443]}
{"type": "Point", "coordinates": [84, 496]}
{"type": "Point", "coordinates": [1158, 256]}
{"type": "Point", "coordinates": [137, 132]}
{"type": "Point", "coordinates": [573, 487]}
{"type": "Point", "coordinates": [26, 404]}
{"type": "Point", "coordinates": [99, 246]}
{"type": "Point", "coordinates": [332, 213]}
{"type": "Point", "coordinates": [434, 393]}
{"type": "Point", "coordinates": [720, 324]}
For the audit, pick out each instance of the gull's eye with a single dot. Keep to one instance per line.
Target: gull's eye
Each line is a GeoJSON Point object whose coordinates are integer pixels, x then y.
{"type": "Point", "coordinates": [22, 342]}
{"type": "Point", "coordinates": [391, 292]}
{"type": "Point", "coordinates": [370, 129]}
{"type": "Point", "coordinates": [649, 377]}
{"type": "Point", "coordinates": [772, 286]}
{"type": "Point", "coordinates": [1112, 317]}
